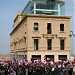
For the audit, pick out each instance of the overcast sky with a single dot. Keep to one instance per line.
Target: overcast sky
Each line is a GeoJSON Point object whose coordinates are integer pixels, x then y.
{"type": "Point", "coordinates": [8, 11]}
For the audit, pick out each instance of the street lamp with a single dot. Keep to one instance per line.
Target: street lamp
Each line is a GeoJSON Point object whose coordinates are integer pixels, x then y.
{"type": "Point", "coordinates": [71, 34]}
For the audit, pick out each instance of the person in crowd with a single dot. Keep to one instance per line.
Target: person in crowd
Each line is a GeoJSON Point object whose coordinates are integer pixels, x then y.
{"type": "Point", "coordinates": [36, 67]}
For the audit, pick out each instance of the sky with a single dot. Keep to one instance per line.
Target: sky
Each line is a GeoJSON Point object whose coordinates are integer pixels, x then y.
{"type": "Point", "coordinates": [70, 11]}
{"type": "Point", "coordinates": [8, 11]}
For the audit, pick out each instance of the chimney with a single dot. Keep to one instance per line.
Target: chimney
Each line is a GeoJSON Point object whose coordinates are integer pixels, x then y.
{"type": "Point", "coordinates": [19, 13]}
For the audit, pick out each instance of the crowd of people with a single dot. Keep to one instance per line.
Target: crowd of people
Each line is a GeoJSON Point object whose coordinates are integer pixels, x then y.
{"type": "Point", "coordinates": [36, 67]}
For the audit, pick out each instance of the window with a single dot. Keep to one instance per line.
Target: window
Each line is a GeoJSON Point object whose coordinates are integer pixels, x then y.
{"type": "Point", "coordinates": [61, 27]}
{"type": "Point", "coordinates": [62, 57]}
{"type": "Point", "coordinates": [49, 44]}
{"type": "Point", "coordinates": [35, 44]}
{"type": "Point", "coordinates": [50, 56]}
{"type": "Point", "coordinates": [35, 57]}
{"type": "Point", "coordinates": [35, 27]}
{"type": "Point", "coordinates": [49, 28]}
{"type": "Point", "coordinates": [50, 4]}
{"type": "Point", "coordinates": [61, 44]}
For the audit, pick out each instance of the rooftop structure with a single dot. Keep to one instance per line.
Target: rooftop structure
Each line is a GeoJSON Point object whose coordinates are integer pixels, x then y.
{"type": "Point", "coordinates": [49, 7]}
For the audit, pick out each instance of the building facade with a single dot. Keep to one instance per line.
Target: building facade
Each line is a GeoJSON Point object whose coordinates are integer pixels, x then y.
{"type": "Point", "coordinates": [40, 36]}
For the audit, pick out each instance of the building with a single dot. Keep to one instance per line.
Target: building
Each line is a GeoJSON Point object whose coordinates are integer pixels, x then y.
{"type": "Point", "coordinates": [41, 34]}
{"type": "Point", "coordinates": [5, 57]}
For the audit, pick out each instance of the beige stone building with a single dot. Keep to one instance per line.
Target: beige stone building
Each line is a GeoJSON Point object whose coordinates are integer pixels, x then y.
{"type": "Point", "coordinates": [40, 36]}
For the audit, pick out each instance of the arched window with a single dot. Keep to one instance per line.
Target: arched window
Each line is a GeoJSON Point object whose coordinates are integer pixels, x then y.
{"type": "Point", "coordinates": [35, 27]}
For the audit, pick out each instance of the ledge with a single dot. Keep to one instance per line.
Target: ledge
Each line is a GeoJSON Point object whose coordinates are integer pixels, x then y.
{"type": "Point", "coordinates": [62, 32]}
{"type": "Point", "coordinates": [62, 37]}
{"type": "Point", "coordinates": [48, 36]}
